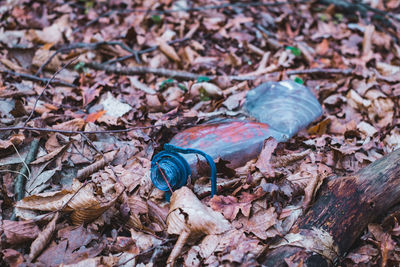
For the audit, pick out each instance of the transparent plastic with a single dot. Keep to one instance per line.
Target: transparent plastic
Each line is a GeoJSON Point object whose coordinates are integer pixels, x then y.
{"type": "Point", "coordinates": [277, 109]}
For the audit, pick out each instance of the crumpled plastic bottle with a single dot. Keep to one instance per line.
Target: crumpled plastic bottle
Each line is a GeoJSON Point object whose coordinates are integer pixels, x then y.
{"type": "Point", "coordinates": [277, 109]}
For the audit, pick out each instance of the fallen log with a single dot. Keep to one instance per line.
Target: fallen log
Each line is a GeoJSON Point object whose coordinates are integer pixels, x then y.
{"type": "Point", "coordinates": [344, 207]}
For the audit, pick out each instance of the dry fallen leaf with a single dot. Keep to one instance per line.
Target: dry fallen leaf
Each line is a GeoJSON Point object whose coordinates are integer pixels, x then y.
{"type": "Point", "coordinates": [44, 237]}
{"type": "Point", "coordinates": [259, 223]}
{"type": "Point", "coordinates": [263, 162]}
{"type": "Point", "coordinates": [18, 232]}
{"type": "Point", "coordinates": [188, 215]}
{"type": "Point", "coordinates": [72, 125]}
{"type": "Point", "coordinates": [168, 50]}
{"type": "Point", "coordinates": [209, 88]}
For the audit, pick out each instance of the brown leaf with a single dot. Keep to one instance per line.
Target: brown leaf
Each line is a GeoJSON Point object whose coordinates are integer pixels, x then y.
{"type": "Point", "coordinates": [288, 159]}
{"type": "Point", "coordinates": [48, 201]}
{"type": "Point", "coordinates": [323, 47]}
{"type": "Point", "coordinates": [229, 206]}
{"type": "Point", "coordinates": [92, 168]}
{"type": "Point", "coordinates": [189, 215]}
{"type": "Point", "coordinates": [259, 223]}
{"type": "Point", "coordinates": [311, 189]}
{"type": "Point", "coordinates": [42, 55]}
{"type": "Point", "coordinates": [51, 155]}
{"type": "Point", "coordinates": [263, 162]}
{"type": "Point", "coordinates": [72, 125]}
{"type": "Point", "coordinates": [168, 50]}
{"type": "Point", "coordinates": [73, 245]}
{"type": "Point", "coordinates": [44, 237]}
{"type": "Point", "coordinates": [363, 254]}
{"type": "Point", "coordinates": [137, 207]}
{"type": "Point", "coordinates": [385, 241]}
{"type": "Point", "coordinates": [15, 140]}
{"type": "Point", "coordinates": [320, 128]}
{"type": "Point", "coordinates": [199, 218]}
{"type": "Point", "coordinates": [12, 257]}
{"type": "Point", "coordinates": [86, 206]}
{"type": "Point", "coordinates": [19, 232]}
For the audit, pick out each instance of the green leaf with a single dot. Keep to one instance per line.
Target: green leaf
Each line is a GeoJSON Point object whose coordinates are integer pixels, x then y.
{"type": "Point", "coordinates": [339, 17]}
{"type": "Point", "coordinates": [156, 19]}
{"type": "Point", "coordinates": [323, 17]}
{"type": "Point", "coordinates": [298, 80]}
{"type": "Point", "coordinates": [204, 95]}
{"type": "Point", "coordinates": [203, 79]}
{"type": "Point", "coordinates": [295, 51]}
{"type": "Point", "coordinates": [182, 87]}
{"type": "Point", "coordinates": [166, 82]}
{"type": "Point", "coordinates": [79, 66]}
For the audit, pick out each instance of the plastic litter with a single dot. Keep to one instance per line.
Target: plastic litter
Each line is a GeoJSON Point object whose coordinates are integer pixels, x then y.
{"type": "Point", "coordinates": [277, 109]}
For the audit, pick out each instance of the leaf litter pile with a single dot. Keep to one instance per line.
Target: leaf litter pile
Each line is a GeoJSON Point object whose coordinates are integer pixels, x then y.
{"type": "Point", "coordinates": [91, 90]}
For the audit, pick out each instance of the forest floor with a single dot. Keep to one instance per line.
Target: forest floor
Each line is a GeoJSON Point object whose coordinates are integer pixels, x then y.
{"type": "Point", "coordinates": [91, 90]}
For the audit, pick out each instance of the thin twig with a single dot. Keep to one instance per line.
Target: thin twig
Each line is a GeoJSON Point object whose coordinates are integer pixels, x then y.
{"type": "Point", "coordinates": [192, 76]}
{"type": "Point", "coordinates": [165, 178]}
{"type": "Point", "coordinates": [38, 79]}
{"type": "Point", "coordinates": [136, 54]}
{"type": "Point", "coordinates": [45, 88]}
{"type": "Point", "coordinates": [75, 132]}
{"type": "Point", "coordinates": [346, 72]}
{"type": "Point", "coordinates": [143, 70]}
{"type": "Point", "coordinates": [89, 46]}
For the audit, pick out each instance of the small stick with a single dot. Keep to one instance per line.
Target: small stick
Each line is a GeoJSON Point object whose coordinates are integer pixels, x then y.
{"type": "Point", "coordinates": [75, 132]}
{"type": "Point", "coordinates": [143, 70]}
{"type": "Point", "coordinates": [91, 46]}
{"type": "Point", "coordinates": [141, 52]}
{"type": "Point", "coordinates": [165, 178]}
{"type": "Point", "coordinates": [47, 86]}
{"type": "Point", "coordinates": [346, 72]}
{"type": "Point", "coordinates": [38, 79]}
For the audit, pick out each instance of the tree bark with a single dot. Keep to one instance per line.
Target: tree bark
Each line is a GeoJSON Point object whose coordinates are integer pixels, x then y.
{"type": "Point", "coordinates": [344, 207]}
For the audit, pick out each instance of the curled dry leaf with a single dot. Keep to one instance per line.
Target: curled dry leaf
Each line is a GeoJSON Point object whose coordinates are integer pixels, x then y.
{"type": "Point", "coordinates": [44, 237]}
{"type": "Point", "coordinates": [168, 50]}
{"type": "Point", "coordinates": [81, 200]}
{"type": "Point", "coordinates": [263, 162]}
{"type": "Point", "coordinates": [286, 160]}
{"type": "Point", "coordinates": [51, 155]}
{"type": "Point", "coordinates": [209, 88]}
{"type": "Point", "coordinates": [137, 207]}
{"type": "Point", "coordinates": [15, 139]}
{"type": "Point", "coordinates": [18, 232]}
{"type": "Point", "coordinates": [188, 215]}
{"type": "Point", "coordinates": [92, 168]}
{"type": "Point", "coordinates": [48, 201]}
{"type": "Point", "coordinates": [86, 206]}
{"type": "Point", "coordinates": [311, 189]}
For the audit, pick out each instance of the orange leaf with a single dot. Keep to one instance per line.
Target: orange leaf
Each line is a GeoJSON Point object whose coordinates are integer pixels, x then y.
{"type": "Point", "coordinates": [47, 46]}
{"type": "Point", "coordinates": [323, 47]}
{"type": "Point", "coordinates": [92, 117]}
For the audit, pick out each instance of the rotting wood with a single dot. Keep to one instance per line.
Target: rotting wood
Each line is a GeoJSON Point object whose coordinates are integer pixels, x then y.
{"type": "Point", "coordinates": [344, 207]}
